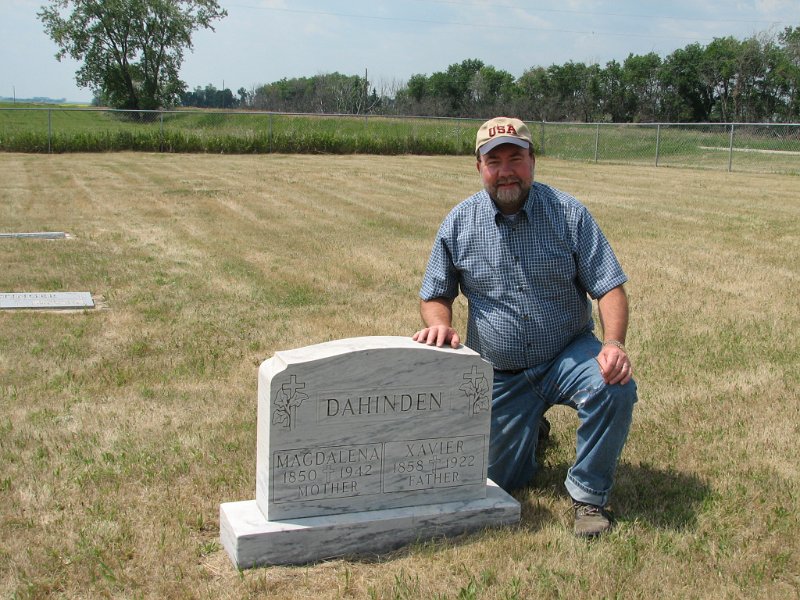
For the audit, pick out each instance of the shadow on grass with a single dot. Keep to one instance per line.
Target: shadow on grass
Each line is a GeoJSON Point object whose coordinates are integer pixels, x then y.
{"type": "Point", "coordinates": [664, 499]}
{"type": "Point", "coordinates": [533, 514]}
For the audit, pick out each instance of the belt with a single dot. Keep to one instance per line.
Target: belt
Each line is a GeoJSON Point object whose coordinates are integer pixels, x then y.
{"type": "Point", "coordinates": [509, 372]}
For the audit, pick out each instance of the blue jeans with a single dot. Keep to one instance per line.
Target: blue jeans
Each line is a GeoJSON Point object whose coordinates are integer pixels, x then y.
{"type": "Point", "coordinates": [573, 378]}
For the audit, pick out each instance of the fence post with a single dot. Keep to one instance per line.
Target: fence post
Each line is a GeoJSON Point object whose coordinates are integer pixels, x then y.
{"type": "Point", "coordinates": [269, 133]}
{"type": "Point", "coordinates": [658, 141]}
{"type": "Point", "coordinates": [161, 132]}
{"type": "Point", "coordinates": [596, 141]}
{"type": "Point", "coordinates": [49, 130]}
{"type": "Point", "coordinates": [730, 151]}
{"type": "Point", "coordinates": [541, 145]}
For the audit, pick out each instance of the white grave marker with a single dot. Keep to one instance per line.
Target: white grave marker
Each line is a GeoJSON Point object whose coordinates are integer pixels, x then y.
{"type": "Point", "coordinates": [366, 444]}
{"type": "Point", "coordinates": [43, 235]}
{"type": "Point", "coordinates": [51, 300]}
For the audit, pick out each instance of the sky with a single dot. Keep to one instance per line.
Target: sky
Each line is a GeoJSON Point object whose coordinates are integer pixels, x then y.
{"type": "Point", "coordinates": [262, 41]}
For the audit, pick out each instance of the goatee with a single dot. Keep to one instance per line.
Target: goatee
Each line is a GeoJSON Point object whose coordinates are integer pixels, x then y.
{"type": "Point", "coordinates": [509, 199]}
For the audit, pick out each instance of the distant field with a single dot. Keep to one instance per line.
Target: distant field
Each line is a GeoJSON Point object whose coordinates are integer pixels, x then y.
{"type": "Point", "coordinates": [756, 148]}
{"type": "Point", "coordinates": [68, 130]}
{"type": "Point", "coordinates": [123, 428]}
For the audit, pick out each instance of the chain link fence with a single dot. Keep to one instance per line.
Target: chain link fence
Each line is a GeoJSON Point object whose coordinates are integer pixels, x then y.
{"type": "Point", "coordinates": [770, 148]}
{"type": "Point", "coordinates": [767, 148]}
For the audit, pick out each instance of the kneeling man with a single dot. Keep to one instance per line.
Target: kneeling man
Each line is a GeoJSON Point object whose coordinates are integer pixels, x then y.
{"type": "Point", "coordinates": [530, 259]}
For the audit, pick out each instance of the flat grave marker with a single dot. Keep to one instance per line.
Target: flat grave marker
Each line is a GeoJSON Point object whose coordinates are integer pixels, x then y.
{"type": "Point", "coordinates": [364, 445]}
{"type": "Point", "coordinates": [45, 300]}
{"type": "Point", "coordinates": [44, 235]}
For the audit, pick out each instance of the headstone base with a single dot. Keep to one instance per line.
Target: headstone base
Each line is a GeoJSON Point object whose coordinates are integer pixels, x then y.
{"type": "Point", "coordinates": [250, 540]}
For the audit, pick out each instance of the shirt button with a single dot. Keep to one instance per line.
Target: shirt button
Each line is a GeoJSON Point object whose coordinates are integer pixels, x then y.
{"type": "Point", "coordinates": [526, 317]}
{"type": "Point", "coordinates": [520, 288]}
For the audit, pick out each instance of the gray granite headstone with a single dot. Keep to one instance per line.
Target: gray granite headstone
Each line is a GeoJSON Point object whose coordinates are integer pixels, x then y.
{"type": "Point", "coordinates": [365, 444]}
{"type": "Point", "coordinates": [51, 300]}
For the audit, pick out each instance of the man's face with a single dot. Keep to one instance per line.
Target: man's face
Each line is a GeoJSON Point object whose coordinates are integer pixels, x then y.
{"type": "Point", "coordinates": [507, 174]}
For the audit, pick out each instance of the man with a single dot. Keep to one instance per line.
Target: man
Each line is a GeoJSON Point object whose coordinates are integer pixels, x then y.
{"type": "Point", "coordinates": [528, 258]}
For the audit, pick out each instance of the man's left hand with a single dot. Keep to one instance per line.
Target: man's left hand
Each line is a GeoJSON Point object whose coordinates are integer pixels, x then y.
{"type": "Point", "coordinates": [615, 366]}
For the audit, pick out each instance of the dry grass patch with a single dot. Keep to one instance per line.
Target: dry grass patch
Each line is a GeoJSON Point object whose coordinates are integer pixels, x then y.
{"type": "Point", "coordinates": [121, 430]}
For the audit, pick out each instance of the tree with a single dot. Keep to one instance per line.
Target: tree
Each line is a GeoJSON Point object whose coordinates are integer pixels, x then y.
{"type": "Point", "coordinates": [450, 93]}
{"type": "Point", "coordinates": [685, 98]}
{"type": "Point", "coordinates": [244, 97]}
{"type": "Point", "coordinates": [576, 88]}
{"type": "Point", "coordinates": [416, 87]}
{"type": "Point", "coordinates": [457, 84]}
{"type": "Point", "coordinates": [325, 93]}
{"type": "Point", "coordinates": [535, 95]}
{"type": "Point", "coordinates": [491, 90]}
{"type": "Point", "coordinates": [210, 97]}
{"type": "Point", "coordinates": [786, 75]}
{"type": "Point", "coordinates": [719, 71]}
{"type": "Point", "coordinates": [641, 74]}
{"type": "Point", "coordinates": [752, 98]}
{"type": "Point", "coordinates": [131, 50]}
{"type": "Point", "coordinates": [612, 99]}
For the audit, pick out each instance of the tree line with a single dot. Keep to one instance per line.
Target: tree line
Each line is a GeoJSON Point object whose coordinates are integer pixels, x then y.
{"type": "Point", "coordinates": [727, 80]}
{"type": "Point", "coordinates": [754, 80]}
{"type": "Point", "coordinates": [131, 52]}
{"type": "Point", "coordinates": [331, 93]}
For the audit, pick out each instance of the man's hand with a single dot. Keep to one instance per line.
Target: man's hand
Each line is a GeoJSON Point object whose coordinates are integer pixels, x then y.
{"type": "Point", "coordinates": [438, 335]}
{"type": "Point", "coordinates": [615, 366]}
{"type": "Point", "coordinates": [437, 314]}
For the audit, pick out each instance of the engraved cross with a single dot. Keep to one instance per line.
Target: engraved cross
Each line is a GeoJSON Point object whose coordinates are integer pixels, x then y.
{"type": "Point", "coordinates": [293, 385]}
{"type": "Point", "coordinates": [473, 375]}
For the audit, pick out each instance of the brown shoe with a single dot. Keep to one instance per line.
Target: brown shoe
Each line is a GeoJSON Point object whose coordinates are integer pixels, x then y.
{"type": "Point", "coordinates": [591, 520]}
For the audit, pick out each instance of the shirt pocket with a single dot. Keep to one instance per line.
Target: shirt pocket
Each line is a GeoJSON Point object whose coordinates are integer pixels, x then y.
{"type": "Point", "coordinates": [478, 260]}
{"type": "Point", "coordinates": [482, 277]}
{"type": "Point", "coordinates": [551, 271]}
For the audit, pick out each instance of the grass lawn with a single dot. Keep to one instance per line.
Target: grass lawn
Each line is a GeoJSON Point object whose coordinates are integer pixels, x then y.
{"type": "Point", "coordinates": [123, 428]}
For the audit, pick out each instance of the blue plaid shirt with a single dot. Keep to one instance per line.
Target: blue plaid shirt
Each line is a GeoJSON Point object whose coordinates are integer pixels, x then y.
{"type": "Point", "coordinates": [527, 280]}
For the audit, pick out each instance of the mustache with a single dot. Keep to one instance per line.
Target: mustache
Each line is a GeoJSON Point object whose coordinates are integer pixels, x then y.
{"type": "Point", "coordinates": [507, 180]}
